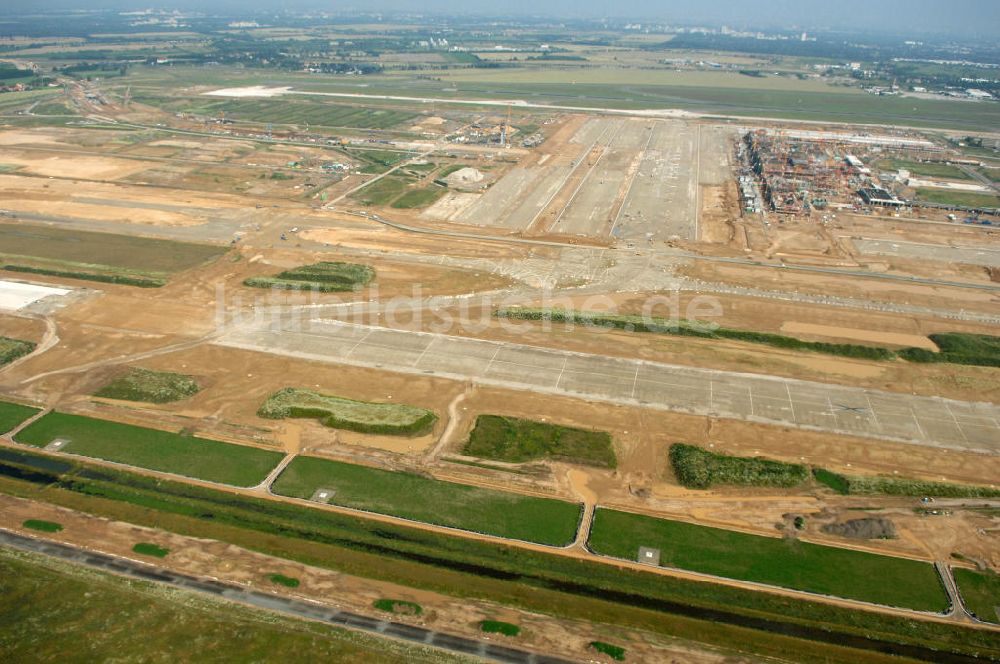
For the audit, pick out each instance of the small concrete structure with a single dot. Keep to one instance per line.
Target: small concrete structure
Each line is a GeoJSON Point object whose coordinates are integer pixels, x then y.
{"type": "Point", "coordinates": [323, 495]}
{"type": "Point", "coordinates": [57, 444]}
{"type": "Point", "coordinates": [649, 556]}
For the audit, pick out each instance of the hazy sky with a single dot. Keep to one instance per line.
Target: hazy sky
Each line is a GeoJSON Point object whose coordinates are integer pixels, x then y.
{"type": "Point", "coordinates": [977, 16]}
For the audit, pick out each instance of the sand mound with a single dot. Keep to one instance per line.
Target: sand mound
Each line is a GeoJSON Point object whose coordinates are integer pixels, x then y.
{"type": "Point", "coordinates": [464, 176]}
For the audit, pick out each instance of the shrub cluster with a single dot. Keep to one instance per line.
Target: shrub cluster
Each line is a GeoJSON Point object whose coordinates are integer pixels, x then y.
{"type": "Point", "coordinates": [149, 386]}
{"type": "Point", "coordinates": [696, 468]}
{"type": "Point", "coordinates": [894, 486]}
{"type": "Point", "coordinates": [958, 348]}
{"type": "Point", "coordinates": [12, 349]}
{"type": "Point", "coordinates": [340, 413]}
{"type": "Point", "coordinates": [121, 279]}
{"type": "Point", "coordinates": [324, 277]}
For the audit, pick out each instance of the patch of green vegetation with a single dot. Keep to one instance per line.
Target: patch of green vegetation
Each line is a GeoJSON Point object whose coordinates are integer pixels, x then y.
{"type": "Point", "coordinates": [499, 627]}
{"type": "Point", "coordinates": [60, 612]}
{"type": "Point", "coordinates": [43, 526]}
{"type": "Point", "coordinates": [146, 385]}
{"type": "Point", "coordinates": [614, 652]}
{"type": "Point", "coordinates": [958, 198]}
{"type": "Point", "coordinates": [517, 440]}
{"type": "Point", "coordinates": [200, 458]}
{"type": "Point", "coordinates": [693, 329]}
{"type": "Point", "coordinates": [323, 277]}
{"type": "Point", "coordinates": [924, 169]}
{"type": "Point", "coordinates": [102, 253]}
{"type": "Point", "coordinates": [103, 277]}
{"type": "Point", "coordinates": [980, 593]}
{"type": "Point", "coordinates": [416, 198]}
{"type": "Point", "coordinates": [869, 485]}
{"type": "Point", "coordinates": [463, 567]}
{"type": "Point", "coordinates": [697, 468]}
{"type": "Point", "coordinates": [411, 496]}
{"type": "Point", "coordinates": [278, 175]}
{"type": "Point", "coordinates": [150, 549]}
{"type": "Point", "coordinates": [393, 419]}
{"type": "Point", "coordinates": [833, 480]}
{"type": "Point", "coordinates": [383, 191]}
{"type": "Point", "coordinates": [400, 606]}
{"type": "Point", "coordinates": [788, 563]}
{"type": "Point", "coordinates": [12, 349]}
{"type": "Point", "coordinates": [282, 580]}
{"type": "Point", "coordinates": [958, 348]}
{"type": "Point", "coordinates": [311, 112]}
{"type": "Point", "coordinates": [12, 414]}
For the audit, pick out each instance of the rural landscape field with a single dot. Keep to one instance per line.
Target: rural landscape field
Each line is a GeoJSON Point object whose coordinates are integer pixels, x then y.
{"type": "Point", "coordinates": [453, 336]}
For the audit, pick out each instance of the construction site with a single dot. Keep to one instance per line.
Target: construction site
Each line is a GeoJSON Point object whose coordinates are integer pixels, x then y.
{"type": "Point", "coordinates": [451, 354]}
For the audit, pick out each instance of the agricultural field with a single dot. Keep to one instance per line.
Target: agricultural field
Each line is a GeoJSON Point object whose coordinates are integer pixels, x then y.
{"type": "Point", "coordinates": [99, 256]}
{"type": "Point", "coordinates": [517, 440]}
{"type": "Point", "coordinates": [12, 349]}
{"type": "Point", "coordinates": [325, 277]}
{"type": "Point", "coordinates": [168, 452]}
{"type": "Point", "coordinates": [146, 385]}
{"type": "Point", "coordinates": [419, 498]}
{"type": "Point", "coordinates": [980, 593]}
{"type": "Point", "coordinates": [56, 611]}
{"type": "Point", "coordinates": [697, 468]}
{"type": "Point", "coordinates": [12, 414]}
{"type": "Point", "coordinates": [783, 562]}
{"type": "Point", "coordinates": [339, 413]}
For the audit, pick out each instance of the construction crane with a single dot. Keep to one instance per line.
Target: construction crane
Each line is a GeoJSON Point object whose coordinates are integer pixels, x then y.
{"type": "Point", "coordinates": [505, 133]}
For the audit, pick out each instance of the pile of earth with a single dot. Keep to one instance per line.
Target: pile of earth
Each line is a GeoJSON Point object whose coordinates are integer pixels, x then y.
{"type": "Point", "coordinates": [464, 176]}
{"type": "Point", "coordinates": [867, 528]}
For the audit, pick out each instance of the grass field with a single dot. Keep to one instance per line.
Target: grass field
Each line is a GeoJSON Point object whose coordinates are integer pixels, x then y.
{"type": "Point", "coordinates": [697, 468]}
{"type": "Point", "coordinates": [417, 198]}
{"type": "Point", "coordinates": [58, 612]}
{"type": "Point", "coordinates": [518, 440]}
{"type": "Point", "coordinates": [12, 414]}
{"type": "Point", "coordinates": [400, 606]}
{"type": "Point", "coordinates": [146, 385]}
{"type": "Point", "coordinates": [958, 198]}
{"type": "Point", "coordinates": [311, 112]}
{"type": "Point", "coordinates": [168, 452]}
{"type": "Point", "coordinates": [11, 349]}
{"type": "Point", "coordinates": [799, 629]}
{"type": "Point", "coordinates": [980, 592]}
{"type": "Point", "coordinates": [384, 191]}
{"type": "Point", "coordinates": [926, 170]}
{"type": "Point", "coordinates": [780, 562]}
{"type": "Point", "coordinates": [499, 627]}
{"type": "Point", "coordinates": [57, 248]}
{"type": "Point", "coordinates": [410, 496]}
{"type": "Point", "coordinates": [323, 277]}
{"type": "Point", "coordinates": [362, 416]}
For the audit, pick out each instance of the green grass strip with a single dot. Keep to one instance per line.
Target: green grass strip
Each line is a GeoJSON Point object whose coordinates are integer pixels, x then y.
{"type": "Point", "coordinates": [12, 414]}
{"type": "Point", "coordinates": [980, 592]}
{"type": "Point", "coordinates": [410, 496]}
{"type": "Point", "coordinates": [787, 563]}
{"type": "Point", "coordinates": [199, 458]}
